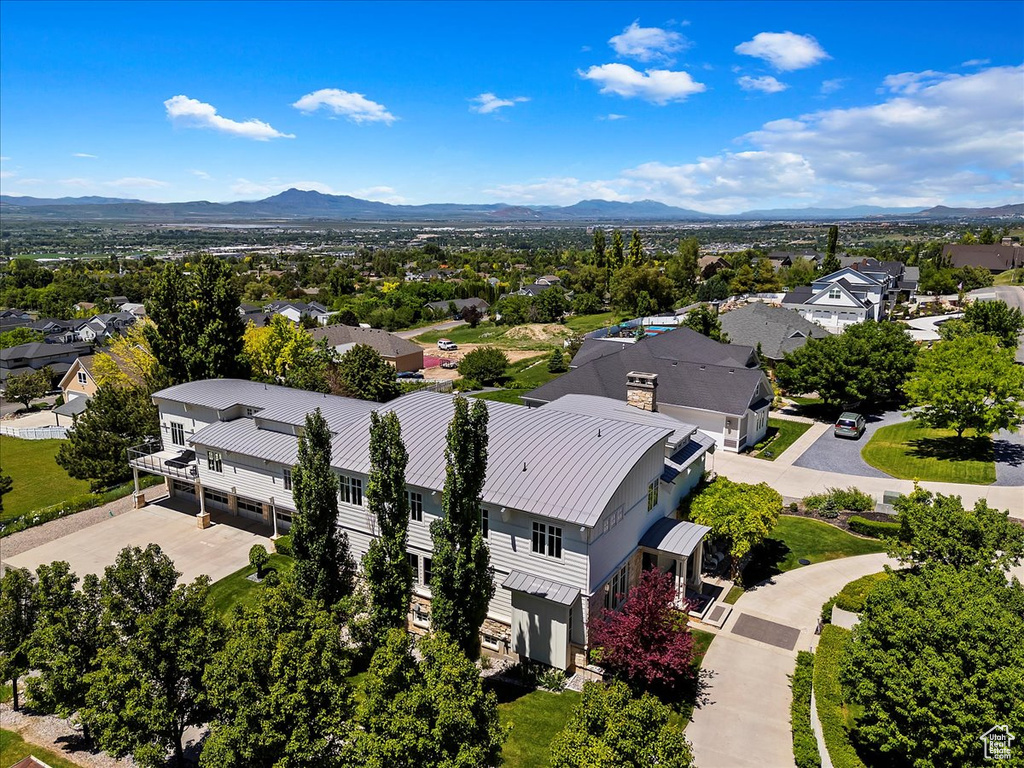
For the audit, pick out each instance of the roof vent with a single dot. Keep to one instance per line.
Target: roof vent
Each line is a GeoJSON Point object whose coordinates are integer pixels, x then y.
{"type": "Point", "coordinates": [524, 466]}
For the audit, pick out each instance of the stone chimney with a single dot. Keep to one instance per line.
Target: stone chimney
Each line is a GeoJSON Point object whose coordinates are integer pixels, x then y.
{"type": "Point", "coordinates": [642, 390]}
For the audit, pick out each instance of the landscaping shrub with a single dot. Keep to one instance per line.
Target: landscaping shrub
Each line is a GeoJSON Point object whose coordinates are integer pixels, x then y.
{"type": "Point", "coordinates": [283, 545]}
{"type": "Point", "coordinates": [793, 507]}
{"type": "Point", "coordinates": [826, 609]}
{"type": "Point", "coordinates": [874, 528]}
{"type": "Point", "coordinates": [828, 694]}
{"type": "Point", "coordinates": [466, 385]}
{"type": "Point", "coordinates": [258, 559]}
{"type": "Point", "coordinates": [835, 499]}
{"type": "Point", "coordinates": [805, 746]}
{"type": "Point", "coordinates": [852, 596]}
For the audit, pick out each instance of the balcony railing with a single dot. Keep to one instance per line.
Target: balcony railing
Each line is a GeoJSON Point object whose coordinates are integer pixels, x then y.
{"type": "Point", "coordinates": [151, 457]}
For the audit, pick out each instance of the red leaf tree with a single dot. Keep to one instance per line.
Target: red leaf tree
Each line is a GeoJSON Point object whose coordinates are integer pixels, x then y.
{"type": "Point", "coordinates": [646, 641]}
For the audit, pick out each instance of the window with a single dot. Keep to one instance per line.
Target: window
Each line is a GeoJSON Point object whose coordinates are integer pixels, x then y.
{"type": "Point", "coordinates": [284, 517]}
{"type": "Point", "coordinates": [250, 412]}
{"type": "Point", "coordinates": [214, 462]}
{"type": "Point", "coordinates": [351, 490]}
{"type": "Point", "coordinates": [414, 565]}
{"type": "Point", "coordinates": [617, 588]}
{"type": "Point", "coordinates": [287, 479]}
{"type": "Point", "coordinates": [82, 378]}
{"type": "Point", "coordinates": [547, 540]}
{"type": "Point", "coordinates": [652, 495]}
{"type": "Point", "coordinates": [177, 433]}
{"type": "Point", "coordinates": [835, 293]}
{"type": "Point", "coordinates": [428, 570]}
{"type": "Point", "coordinates": [220, 498]}
{"type": "Point", "coordinates": [415, 506]}
{"type": "Point", "coordinates": [485, 521]}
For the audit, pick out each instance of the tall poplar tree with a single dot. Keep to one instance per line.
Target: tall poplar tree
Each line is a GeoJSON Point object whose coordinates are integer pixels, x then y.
{"type": "Point", "coordinates": [462, 582]}
{"type": "Point", "coordinates": [831, 262]}
{"type": "Point", "coordinates": [17, 619]}
{"type": "Point", "coordinates": [636, 249]}
{"type": "Point", "coordinates": [599, 245]}
{"type": "Point", "coordinates": [615, 262]}
{"type": "Point", "coordinates": [385, 564]}
{"type": "Point", "coordinates": [323, 568]}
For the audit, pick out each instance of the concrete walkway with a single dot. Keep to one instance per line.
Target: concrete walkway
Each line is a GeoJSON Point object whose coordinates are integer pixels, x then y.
{"type": "Point", "coordinates": [746, 722]}
{"type": "Point", "coordinates": [797, 482]}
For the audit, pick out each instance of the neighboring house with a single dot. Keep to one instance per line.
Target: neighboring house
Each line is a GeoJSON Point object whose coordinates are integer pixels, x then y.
{"type": "Point", "coordinates": [77, 386]}
{"type": "Point", "coordinates": [403, 354]}
{"type": "Point", "coordinates": [864, 290]}
{"type": "Point", "coordinates": [84, 306]}
{"type": "Point", "coordinates": [718, 387]}
{"type": "Point", "coordinates": [460, 304]}
{"type": "Point", "coordinates": [560, 550]}
{"type": "Point", "coordinates": [101, 327]}
{"type": "Point", "coordinates": [777, 330]}
{"type": "Point", "coordinates": [548, 280]}
{"type": "Point", "coordinates": [37, 355]}
{"type": "Point", "coordinates": [710, 266]}
{"type": "Point", "coordinates": [296, 310]}
{"type": "Point", "coordinates": [994, 258]}
{"type": "Point", "coordinates": [116, 301]}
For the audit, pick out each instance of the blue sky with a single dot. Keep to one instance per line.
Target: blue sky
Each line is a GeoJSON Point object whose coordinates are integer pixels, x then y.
{"type": "Point", "coordinates": [720, 107]}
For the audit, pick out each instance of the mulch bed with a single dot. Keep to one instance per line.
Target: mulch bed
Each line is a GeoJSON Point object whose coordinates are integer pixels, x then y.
{"type": "Point", "coordinates": [843, 520]}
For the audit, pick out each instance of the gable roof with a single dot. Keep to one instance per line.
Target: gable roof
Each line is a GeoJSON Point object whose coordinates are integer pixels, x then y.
{"type": "Point", "coordinates": [995, 258]}
{"type": "Point", "coordinates": [460, 304]}
{"type": "Point", "coordinates": [387, 344]}
{"type": "Point", "coordinates": [778, 330]}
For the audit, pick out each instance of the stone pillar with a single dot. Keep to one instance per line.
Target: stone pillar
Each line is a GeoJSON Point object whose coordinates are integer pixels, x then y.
{"type": "Point", "coordinates": [233, 502]}
{"type": "Point", "coordinates": [203, 518]}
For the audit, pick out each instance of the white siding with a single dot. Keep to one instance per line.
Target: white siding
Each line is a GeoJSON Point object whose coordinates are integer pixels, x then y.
{"type": "Point", "coordinates": [711, 423]}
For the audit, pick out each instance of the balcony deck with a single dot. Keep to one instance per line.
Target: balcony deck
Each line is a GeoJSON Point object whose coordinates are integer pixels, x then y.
{"type": "Point", "coordinates": [155, 460]}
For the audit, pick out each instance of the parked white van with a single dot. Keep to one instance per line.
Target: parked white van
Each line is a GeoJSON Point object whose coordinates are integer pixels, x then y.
{"type": "Point", "coordinates": [446, 344]}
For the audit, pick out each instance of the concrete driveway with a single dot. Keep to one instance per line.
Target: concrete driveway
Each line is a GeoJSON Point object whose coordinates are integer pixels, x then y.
{"type": "Point", "coordinates": [216, 552]}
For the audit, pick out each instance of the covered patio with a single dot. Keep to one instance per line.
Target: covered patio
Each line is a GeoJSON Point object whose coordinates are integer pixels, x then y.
{"type": "Point", "coordinates": [675, 547]}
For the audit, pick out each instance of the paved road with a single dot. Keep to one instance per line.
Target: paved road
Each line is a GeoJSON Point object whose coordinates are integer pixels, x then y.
{"type": "Point", "coordinates": [746, 722]}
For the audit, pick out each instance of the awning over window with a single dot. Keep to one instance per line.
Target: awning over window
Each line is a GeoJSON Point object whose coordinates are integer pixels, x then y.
{"type": "Point", "coordinates": [676, 537]}
{"type": "Point", "coordinates": [518, 581]}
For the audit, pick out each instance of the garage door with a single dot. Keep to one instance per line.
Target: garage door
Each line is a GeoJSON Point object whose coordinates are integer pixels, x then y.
{"type": "Point", "coordinates": [215, 499]}
{"type": "Point", "coordinates": [250, 509]}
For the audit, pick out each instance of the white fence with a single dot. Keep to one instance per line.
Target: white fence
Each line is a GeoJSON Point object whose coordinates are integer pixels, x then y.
{"type": "Point", "coordinates": [36, 433]}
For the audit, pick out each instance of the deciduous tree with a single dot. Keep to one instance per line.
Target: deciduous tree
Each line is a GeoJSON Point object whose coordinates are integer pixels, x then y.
{"type": "Point", "coordinates": [462, 582]}
{"type": "Point", "coordinates": [636, 250]}
{"type": "Point", "coordinates": [364, 374]}
{"type": "Point", "coordinates": [17, 620]}
{"type": "Point", "coordinates": [740, 513]}
{"type": "Point", "coordinates": [683, 269]}
{"type": "Point", "coordinates": [611, 728]}
{"type": "Point", "coordinates": [16, 336]}
{"type": "Point", "coordinates": [484, 364]}
{"type": "Point", "coordinates": [968, 383]}
{"type": "Point", "coordinates": [705, 321]}
{"type": "Point", "coordinates": [616, 258]}
{"type": "Point", "coordinates": [628, 284]}
{"type": "Point", "coordinates": [995, 318]}
{"type": "Point", "coordinates": [25, 387]}
{"type": "Point", "coordinates": [324, 570]}
{"type": "Point", "coordinates": [284, 353]}
{"type": "Point", "coordinates": [128, 361]}
{"type": "Point", "coordinates": [386, 565]}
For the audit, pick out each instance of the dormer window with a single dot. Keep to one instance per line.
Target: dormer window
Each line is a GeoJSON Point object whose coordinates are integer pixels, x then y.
{"type": "Point", "coordinates": [834, 294]}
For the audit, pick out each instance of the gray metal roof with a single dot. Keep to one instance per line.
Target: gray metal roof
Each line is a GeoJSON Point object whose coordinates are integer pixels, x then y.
{"type": "Point", "coordinates": [564, 466]}
{"type": "Point", "coordinates": [72, 407]}
{"type": "Point", "coordinates": [677, 537]}
{"type": "Point", "coordinates": [519, 581]}
{"type": "Point", "coordinates": [698, 445]}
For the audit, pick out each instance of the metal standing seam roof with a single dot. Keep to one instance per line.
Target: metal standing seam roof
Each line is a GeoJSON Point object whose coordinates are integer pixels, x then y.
{"type": "Point", "coordinates": [564, 466]}
{"type": "Point", "coordinates": [518, 581]}
{"type": "Point", "coordinates": [610, 408]}
{"type": "Point", "coordinates": [677, 537]}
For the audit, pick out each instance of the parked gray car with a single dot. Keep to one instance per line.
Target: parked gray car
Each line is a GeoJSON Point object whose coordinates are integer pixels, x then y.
{"type": "Point", "coordinates": [849, 425]}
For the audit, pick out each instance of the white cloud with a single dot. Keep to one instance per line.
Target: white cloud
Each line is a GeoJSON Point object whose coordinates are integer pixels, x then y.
{"type": "Point", "coordinates": [353, 106]}
{"type": "Point", "coordinates": [4, 158]}
{"type": "Point", "coordinates": [612, 116]}
{"type": "Point", "coordinates": [976, 62]}
{"type": "Point", "coordinates": [912, 82]}
{"type": "Point", "coordinates": [785, 51]}
{"type": "Point", "coordinates": [200, 174]}
{"type": "Point", "coordinates": [659, 86]}
{"type": "Point", "coordinates": [197, 114]}
{"type": "Point", "coordinates": [83, 154]}
{"type": "Point", "coordinates": [7, 174]}
{"type": "Point", "coordinates": [381, 194]}
{"type": "Point", "coordinates": [766, 84]}
{"type": "Point", "coordinates": [136, 182]}
{"type": "Point", "coordinates": [648, 43]}
{"type": "Point", "coordinates": [486, 103]}
{"type": "Point", "coordinates": [555, 191]}
{"type": "Point", "coordinates": [833, 85]}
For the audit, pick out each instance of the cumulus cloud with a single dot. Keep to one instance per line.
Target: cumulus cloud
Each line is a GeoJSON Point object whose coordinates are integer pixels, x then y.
{"type": "Point", "coordinates": [766, 84]}
{"type": "Point", "coordinates": [648, 43]}
{"type": "Point", "coordinates": [659, 86]}
{"type": "Point", "coordinates": [352, 106]}
{"type": "Point", "coordinates": [785, 51]}
{"type": "Point", "coordinates": [83, 154]}
{"type": "Point", "coordinates": [833, 85]}
{"type": "Point", "coordinates": [976, 62]}
{"type": "Point", "coordinates": [197, 114]}
{"type": "Point", "coordinates": [912, 82]}
{"type": "Point", "coordinates": [486, 103]}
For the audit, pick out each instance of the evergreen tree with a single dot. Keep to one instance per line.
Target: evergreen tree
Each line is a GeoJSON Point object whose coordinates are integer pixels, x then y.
{"type": "Point", "coordinates": [831, 262]}
{"type": "Point", "coordinates": [385, 564]}
{"type": "Point", "coordinates": [683, 270]}
{"type": "Point", "coordinates": [462, 582]}
{"type": "Point", "coordinates": [557, 363]}
{"type": "Point", "coordinates": [17, 620]}
{"type": "Point", "coordinates": [323, 568]}
{"type": "Point", "coordinates": [599, 245]}
{"type": "Point", "coordinates": [616, 259]}
{"type": "Point", "coordinates": [115, 419]}
{"type": "Point", "coordinates": [765, 278]}
{"type": "Point", "coordinates": [636, 249]}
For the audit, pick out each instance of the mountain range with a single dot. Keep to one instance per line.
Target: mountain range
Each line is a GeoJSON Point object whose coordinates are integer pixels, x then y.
{"type": "Point", "coordinates": [295, 205]}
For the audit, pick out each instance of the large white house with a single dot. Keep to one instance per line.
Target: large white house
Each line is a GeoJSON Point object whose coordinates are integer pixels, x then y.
{"type": "Point", "coordinates": [864, 290]}
{"type": "Point", "coordinates": [579, 496]}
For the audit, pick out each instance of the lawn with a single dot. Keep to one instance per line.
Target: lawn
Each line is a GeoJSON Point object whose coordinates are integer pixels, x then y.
{"type": "Point", "coordinates": [512, 396]}
{"type": "Point", "coordinates": [14, 748]}
{"type": "Point", "coordinates": [799, 537]}
{"type": "Point", "coordinates": [236, 589]}
{"type": "Point", "coordinates": [1007, 277]}
{"type": "Point", "coordinates": [586, 323]}
{"type": "Point", "coordinates": [502, 336]}
{"type": "Point", "coordinates": [781, 433]}
{"type": "Point", "coordinates": [38, 481]}
{"type": "Point", "coordinates": [911, 451]}
{"type": "Point", "coordinates": [523, 376]}
{"type": "Point", "coordinates": [536, 718]}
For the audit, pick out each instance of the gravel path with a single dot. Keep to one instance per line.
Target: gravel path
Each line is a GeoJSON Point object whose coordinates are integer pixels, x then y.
{"type": "Point", "coordinates": [23, 541]}
{"type": "Point", "coordinates": [58, 735]}
{"type": "Point", "coordinates": [836, 454]}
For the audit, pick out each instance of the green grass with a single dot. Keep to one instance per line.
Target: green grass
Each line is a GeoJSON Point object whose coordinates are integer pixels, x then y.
{"type": "Point", "coordinates": [798, 537]}
{"type": "Point", "coordinates": [536, 718]}
{"type": "Point", "coordinates": [38, 480]}
{"type": "Point", "coordinates": [734, 594]}
{"type": "Point", "coordinates": [6, 694]}
{"type": "Point", "coordinates": [911, 451]}
{"type": "Point", "coordinates": [533, 375]}
{"type": "Point", "coordinates": [782, 433]}
{"type": "Point", "coordinates": [236, 589]}
{"type": "Point", "coordinates": [502, 396]}
{"type": "Point", "coordinates": [804, 400]}
{"type": "Point", "coordinates": [587, 323]}
{"type": "Point", "coordinates": [493, 335]}
{"type": "Point", "coordinates": [1007, 277]}
{"type": "Point", "coordinates": [14, 748]}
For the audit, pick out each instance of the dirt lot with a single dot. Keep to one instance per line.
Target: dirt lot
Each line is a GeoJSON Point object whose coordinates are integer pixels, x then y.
{"type": "Point", "coordinates": [450, 374]}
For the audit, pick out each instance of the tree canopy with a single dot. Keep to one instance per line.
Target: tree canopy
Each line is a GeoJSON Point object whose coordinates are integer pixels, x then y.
{"type": "Point", "coordinates": [284, 353]}
{"type": "Point", "coordinates": [968, 383]}
{"type": "Point", "coordinates": [25, 387]}
{"type": "Point", "coordinates": [705, 321]}
{"type": "Point", "coordinates": [740, 513]}
{"type": "Point", "coordinates": [995, 318]}
{"type": "Point", "coordinates": [364, 374]}
{"type": "Point", "coordinates": [484, 364]}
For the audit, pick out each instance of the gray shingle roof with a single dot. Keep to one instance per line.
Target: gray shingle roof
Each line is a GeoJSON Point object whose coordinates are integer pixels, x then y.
{"type": "Point", "coordinates": [678, 537]}
{"type": "Point", "coordinates": [543, 588]}
{"type": "Point", "coordinates": [573, 462]}
{"type": "Point", "coordinates": [387, 344]}
{"type": "Point", "coordinates": [777, 329]}
{"type": "Point", "coordinates": [608, 408]}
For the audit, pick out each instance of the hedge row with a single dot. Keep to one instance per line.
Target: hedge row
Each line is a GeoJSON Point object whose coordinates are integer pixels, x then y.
{"type": "Point", "coordinates": [283, 545]}
{"type": "Point", "coordinates": [852, 596]}
{"type": "Point", "coordinates": [828, 694]}
{"type": "Point", "coordinates": [874, 528]}
{"type": "Point", "coordinates": [834, 499]}
{"type": "Point", "coordinates": [74, 504]}
{"type": "Point", "coordinates": [805, 746]}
